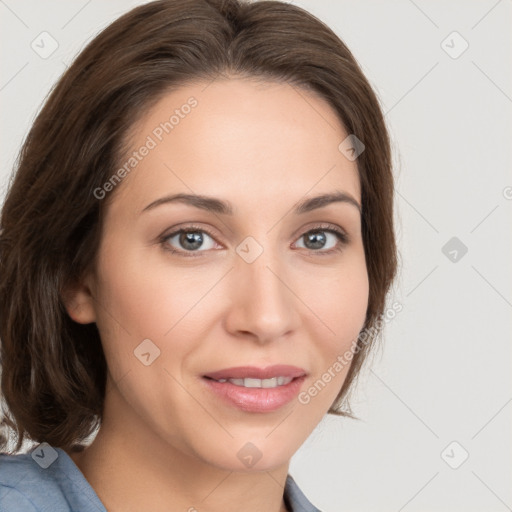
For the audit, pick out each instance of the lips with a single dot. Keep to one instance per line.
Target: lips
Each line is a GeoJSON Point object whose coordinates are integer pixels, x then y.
{"type": "Point", "coordinates": [256, 390]}
{"type": "Point", "coordinates": [252, 372]}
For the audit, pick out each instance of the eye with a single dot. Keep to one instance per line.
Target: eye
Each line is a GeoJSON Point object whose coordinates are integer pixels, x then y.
{"type": "Point", "coordinates": [318, 238]}
{"type": "Point", "coordinates": [195, 239]}
{"type": "Point", "coordinates": [189, 240]}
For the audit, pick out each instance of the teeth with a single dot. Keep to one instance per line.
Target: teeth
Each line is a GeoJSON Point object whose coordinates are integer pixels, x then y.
{"type": "Point", "coordinates": [270, 383]}
{"type": "Point", "coordinates": [259, 383]}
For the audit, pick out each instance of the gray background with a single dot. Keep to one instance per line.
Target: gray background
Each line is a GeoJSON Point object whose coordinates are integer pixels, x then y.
{"type": "Point", "coordinates": [443, 374]}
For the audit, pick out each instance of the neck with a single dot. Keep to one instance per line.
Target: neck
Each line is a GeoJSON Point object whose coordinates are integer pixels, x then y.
{"type": "Point", "coordinates": [153, 474]}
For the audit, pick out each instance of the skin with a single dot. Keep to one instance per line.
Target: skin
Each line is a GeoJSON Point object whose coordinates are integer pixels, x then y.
{"type": "Point", "coordinates": [166, 442]}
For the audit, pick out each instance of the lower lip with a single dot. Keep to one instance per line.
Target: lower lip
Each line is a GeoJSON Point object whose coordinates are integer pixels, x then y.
{"type": "Point", "coordinates": [256, 399]}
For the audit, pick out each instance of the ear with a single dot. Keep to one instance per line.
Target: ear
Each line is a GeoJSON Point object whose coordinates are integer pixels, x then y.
{"type": "Point", "coordinates": [79, 302]}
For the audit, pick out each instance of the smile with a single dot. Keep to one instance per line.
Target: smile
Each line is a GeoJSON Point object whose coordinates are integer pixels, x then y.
{"type": "Point", "coordinates": [257, 390]}
{"type": "Point", "coordinates": [259, 383]}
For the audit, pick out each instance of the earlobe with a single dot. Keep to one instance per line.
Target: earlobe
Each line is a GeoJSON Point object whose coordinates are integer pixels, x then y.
{"type": "Point", "coordinates": [79, 303]}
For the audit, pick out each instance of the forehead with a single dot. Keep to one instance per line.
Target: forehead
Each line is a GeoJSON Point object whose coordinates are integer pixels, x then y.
{"type": "Point", "coordinates": [238, 135]}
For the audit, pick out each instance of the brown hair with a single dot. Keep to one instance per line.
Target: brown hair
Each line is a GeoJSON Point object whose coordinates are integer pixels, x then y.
{"type": "Point", "coordinates": [53, 369]}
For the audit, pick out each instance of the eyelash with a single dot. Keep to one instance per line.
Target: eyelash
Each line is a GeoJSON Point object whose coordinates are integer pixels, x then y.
{"type": "Point", "coordinates": [327, 228]}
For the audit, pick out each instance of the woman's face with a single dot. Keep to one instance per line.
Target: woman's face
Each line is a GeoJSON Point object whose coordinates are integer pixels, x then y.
{"type": "Point", "coordinates": [245, 288]}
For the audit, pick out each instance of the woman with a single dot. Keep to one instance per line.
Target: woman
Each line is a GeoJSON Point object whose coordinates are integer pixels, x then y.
{"type": "Point", "coordinates": [195, 254]}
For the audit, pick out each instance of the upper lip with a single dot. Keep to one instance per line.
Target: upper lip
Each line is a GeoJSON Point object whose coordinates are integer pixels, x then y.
{"type": "Point", "coordinates": [252, 372]}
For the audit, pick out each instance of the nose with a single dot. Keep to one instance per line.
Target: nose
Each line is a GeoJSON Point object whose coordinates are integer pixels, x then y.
{"type": "Point", "coordinates": [263, 304]}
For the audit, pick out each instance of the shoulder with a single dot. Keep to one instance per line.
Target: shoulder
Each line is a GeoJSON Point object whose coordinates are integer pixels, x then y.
{"type": "Point", "coordinates": [46, 479]}
{"type": "Point", "coordinates": [295, 499]}
{"type": "Point", "coordinates": [18, 481]}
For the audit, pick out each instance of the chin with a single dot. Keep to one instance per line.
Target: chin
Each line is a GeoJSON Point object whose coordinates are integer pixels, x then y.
{"type": "Point", "coordinates": [247, 456]}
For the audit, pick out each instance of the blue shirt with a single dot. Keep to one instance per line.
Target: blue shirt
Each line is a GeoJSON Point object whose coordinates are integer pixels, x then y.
{"type": "Point", "coordinates": [48, 480]}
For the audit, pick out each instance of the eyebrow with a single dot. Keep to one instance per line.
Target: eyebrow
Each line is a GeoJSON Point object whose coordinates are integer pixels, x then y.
{"type": "Point", "coordinates": [215, 205]}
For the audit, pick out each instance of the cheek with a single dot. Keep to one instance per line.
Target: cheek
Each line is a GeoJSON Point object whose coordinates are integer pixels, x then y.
{"type": "Point", "coordinates": [142, 296]}
{"type": "Point", "coordinates": [132, 292]}
{"type": "Point", "coordinates": [333, 359]}
{"type": "Point", "coordinates": [341, 304]}
{"type": "Point", "coordinates": [347, 306]}
{"type": "Point", "coordinates": [145, 296]}
{"type": "Point", "coordinates": [339, 297]}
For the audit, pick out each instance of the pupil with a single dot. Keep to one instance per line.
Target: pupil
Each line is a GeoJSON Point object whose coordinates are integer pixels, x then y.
{"type": "Point", "coordinates": [195, 240]}
{"type": "Point", "coordinates": [318, 239]}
